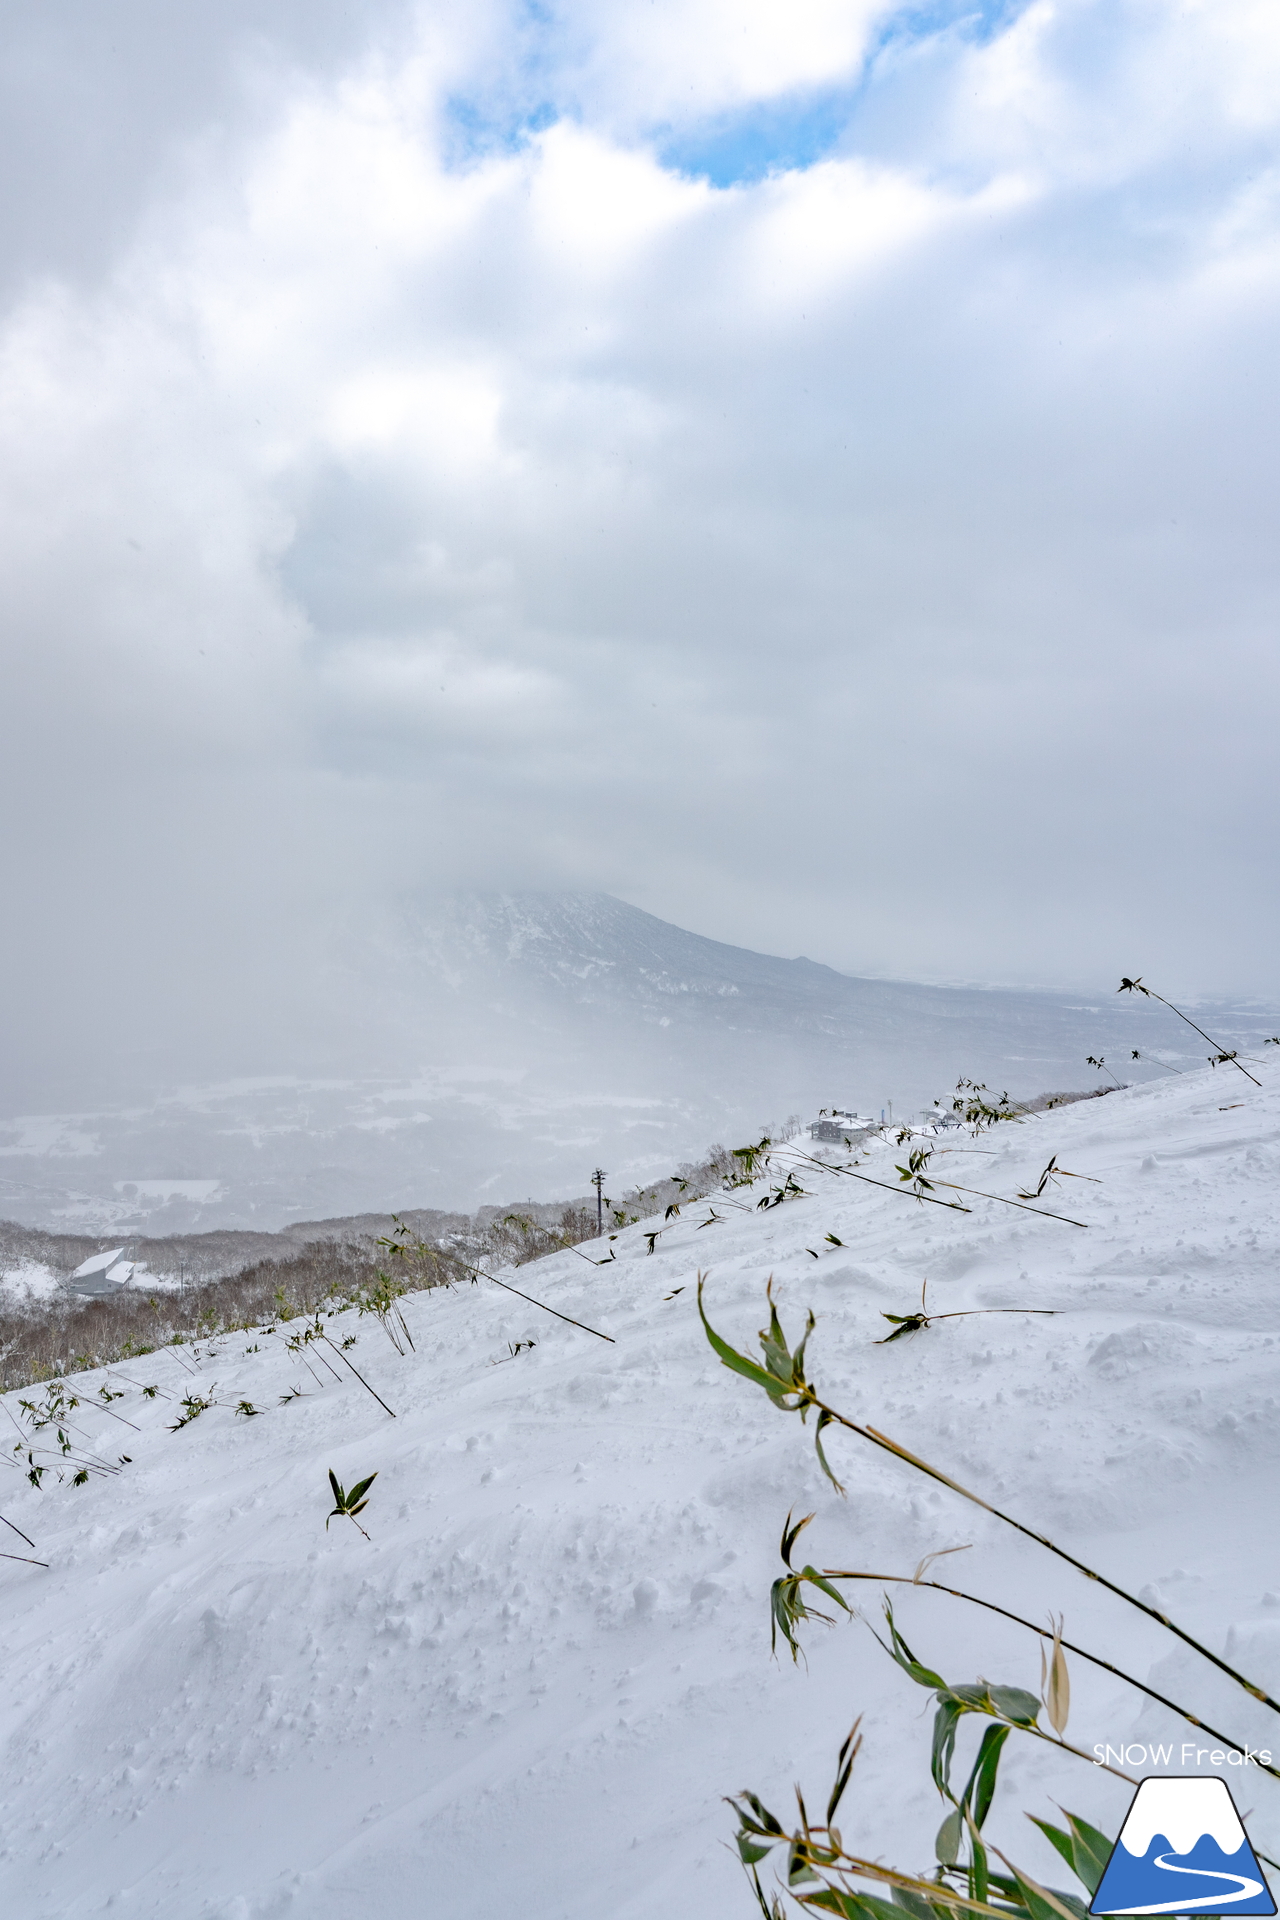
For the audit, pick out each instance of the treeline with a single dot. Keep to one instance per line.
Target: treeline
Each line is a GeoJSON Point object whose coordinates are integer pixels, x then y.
{"type": "Point", "coordinates": [45, 1338]}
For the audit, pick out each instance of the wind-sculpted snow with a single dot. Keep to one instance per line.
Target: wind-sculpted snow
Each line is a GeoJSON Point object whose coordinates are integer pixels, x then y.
{"type": "Point", "coordinates": [528, 1691]}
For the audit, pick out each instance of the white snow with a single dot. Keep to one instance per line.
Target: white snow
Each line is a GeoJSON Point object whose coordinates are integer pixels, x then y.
{"type": "Point", "coordinates": [529, 1691]}
{"type": "Point", "coordinates": [30, 1280]}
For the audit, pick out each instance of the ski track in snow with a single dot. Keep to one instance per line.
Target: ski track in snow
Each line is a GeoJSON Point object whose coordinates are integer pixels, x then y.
{"type": "Point", "coordinates": [530, 1691]}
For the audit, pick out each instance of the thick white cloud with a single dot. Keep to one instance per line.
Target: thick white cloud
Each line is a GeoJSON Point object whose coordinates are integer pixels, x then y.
{"type": "Point", "coordinates": [675, 58]}
{"type": "Point", "coordinates": [873, 559]}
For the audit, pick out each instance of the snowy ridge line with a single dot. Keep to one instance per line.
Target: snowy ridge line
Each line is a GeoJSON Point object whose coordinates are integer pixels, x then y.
{"type": "Point", "coordinates": [558, 1028]}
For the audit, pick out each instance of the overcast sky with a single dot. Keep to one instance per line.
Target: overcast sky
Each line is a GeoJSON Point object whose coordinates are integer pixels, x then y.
{"type": "Point", "coordinates": [809, 469]}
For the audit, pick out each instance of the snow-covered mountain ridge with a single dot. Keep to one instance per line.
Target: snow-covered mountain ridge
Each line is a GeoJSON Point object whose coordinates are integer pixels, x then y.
{"type": "Point", "coordinates": [530, 1689]}
{"type": "Point", "coordinates": [463, 1049]}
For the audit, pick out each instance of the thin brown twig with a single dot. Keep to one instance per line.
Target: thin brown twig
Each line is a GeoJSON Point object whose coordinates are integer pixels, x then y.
{"type": "Point", "coordinates": [1042, 1211]}
{"type": "Point", "coordinates": [479, 1273]}
{"type": "Point", "coordinates": [883, 1441]}
{"type": "Point", "coordinates": [1046, 1633]}
{"type": "Point", "coordinates": [1132, 986]}
{"type": "Point", "coordinates": [968, 1313]}
{"type": "Point", "coordinates": [100, 1406]}
{"type": "Point", "coordinates": [909, 1193]}
{"type": "Point", "coordinates": [18, 1530]}
{"type": "Point", "coordinates": [805, 1397]}
{"type": "Point", "coordinates": [136, 1385]}
{"type": "Point", "coordinates": [359, 1376]}
{"type": "Point", "coordinates": [889, 1186]}
{"type": "Point", "coordinates": [545, 1308]}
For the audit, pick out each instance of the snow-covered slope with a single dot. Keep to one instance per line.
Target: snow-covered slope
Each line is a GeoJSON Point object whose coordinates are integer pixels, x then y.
{"type": "Point", "coordinates": [529, 1690]}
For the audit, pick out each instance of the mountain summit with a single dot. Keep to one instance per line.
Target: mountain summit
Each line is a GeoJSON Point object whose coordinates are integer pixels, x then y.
{"type": "Point", "coordinates": [787, 1032]}
{"type": "Point", "coordinates": [485, 1047]}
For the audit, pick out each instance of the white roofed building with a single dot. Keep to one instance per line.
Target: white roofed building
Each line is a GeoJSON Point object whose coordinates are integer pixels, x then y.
{"type": "Point", "coordinates": [839, 1125]}
{"type": "Point", "coordinates": [103, 1273]}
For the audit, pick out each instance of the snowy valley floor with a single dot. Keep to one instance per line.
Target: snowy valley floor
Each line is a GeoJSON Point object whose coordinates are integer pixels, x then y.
{"type": "Point", "coordinates": [528, 1693]}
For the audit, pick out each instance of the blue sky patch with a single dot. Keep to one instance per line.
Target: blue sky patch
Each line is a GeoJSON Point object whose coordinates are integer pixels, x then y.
{"type": "Point", "coordinates": [772, 136]}
{"type": "Point", "coordinates": [789, 134]}
{"type": "Point", "coordinates": [475, 129]}
{"type": "Point", "coordinates": [743, 145]}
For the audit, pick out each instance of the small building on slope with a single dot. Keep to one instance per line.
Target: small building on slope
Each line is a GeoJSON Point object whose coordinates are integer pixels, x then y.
{"type": "Point", "coordinates": [102, 1274]}
{"type": "Point", "coordinates": [840, 1126]}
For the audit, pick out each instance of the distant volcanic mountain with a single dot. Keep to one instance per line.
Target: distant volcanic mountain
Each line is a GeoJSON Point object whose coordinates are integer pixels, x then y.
{"type": "Point", "coordinates": [491, 1046]}
{"type": "Point", "coordinates": [696, 1015]}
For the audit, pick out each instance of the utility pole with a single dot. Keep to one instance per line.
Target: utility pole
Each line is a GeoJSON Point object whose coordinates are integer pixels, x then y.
{"type": "Point", "coordinates": [597, 1181]}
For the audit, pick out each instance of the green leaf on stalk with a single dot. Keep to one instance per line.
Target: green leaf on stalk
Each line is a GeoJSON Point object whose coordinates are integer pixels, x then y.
{"type": "Point", "coordinates": [1085, 1850]}
{"type": "Point", "coordinates": [947, 1844]}
{"type": "Point", "coordinates": [824, 1420]}
{"type": "Point", "coordinates": [910, 1902]}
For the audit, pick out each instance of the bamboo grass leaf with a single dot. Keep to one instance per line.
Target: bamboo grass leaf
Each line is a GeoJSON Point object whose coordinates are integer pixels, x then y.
{"type": "Point", "coordinates": [1042, 1904]}
{"type": "Point", "coordinates": [1015, 1703]}
{"type": "Point", "coordinates": [1056, 1683]}
{"type": "Point", "coordinates": [853, 1906]}
{"type": "Point", "coordinates": [347, 1505]}
{"type": "Point", "coordinates": [939, 1553]}
{"type": "Point", "coordinates": [1060, 1841]}
{"type": "Point", "coordinates": [739, 1362]}
{"type": "Point", "coordinates": [911, 1902]}
{"type": "Point", "coordinates": [844, 1767]}
{"type": "Point", "coordinates": [771, 1911]}
{"type": "Point", "coordinates": [815, 1579]}
{"type": "Point", "coordinates": [786, 1610]}
{"type": "Point", "coordinates": [980, 1791]}
{"type": "Point", "coordinates": [763, 1821]}
{"type": "Point", "coordinates": [979, 1866]}
{"type": "Point", "coordinates": [947, 1844]}
{"type": "Point", "coordinates": [945, 1723]}
{"type": "Point", "coordinates": [922, 1675]}
{"type": "Point", "coordinates": [908, 1323]}
{"type": "Point", "coordinates": [790, 1535]}
{"type": "Point", "coordinates": [825, 1419]}
{"type": "Point", "coordinates": [1090, 1852]}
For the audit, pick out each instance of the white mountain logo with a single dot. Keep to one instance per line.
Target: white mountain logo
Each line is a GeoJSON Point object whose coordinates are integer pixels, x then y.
{"type": "Point", "coordinates": [1182, 1849]}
